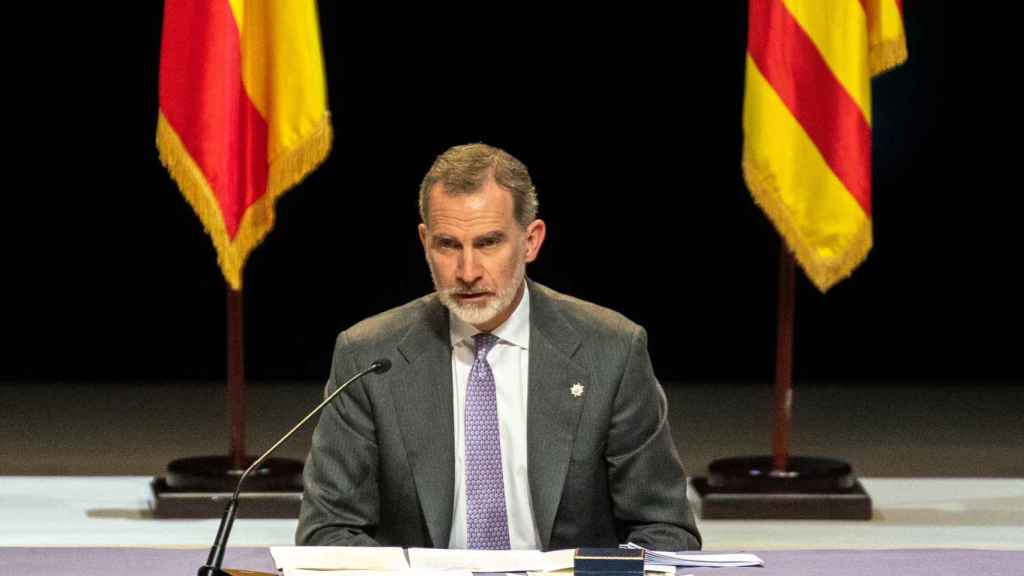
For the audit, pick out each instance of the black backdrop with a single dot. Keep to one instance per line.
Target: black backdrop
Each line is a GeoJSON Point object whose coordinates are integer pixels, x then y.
{"type": "Point", "coordinates": [630, 122]}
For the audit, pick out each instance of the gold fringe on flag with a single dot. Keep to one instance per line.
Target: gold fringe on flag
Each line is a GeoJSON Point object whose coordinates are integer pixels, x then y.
{"type": "Point", "coordinates": [823, 272]}
{"type": "Point", "coordinates": [286, 171]}
{"type": "Point", "coordinates": [887, 55]}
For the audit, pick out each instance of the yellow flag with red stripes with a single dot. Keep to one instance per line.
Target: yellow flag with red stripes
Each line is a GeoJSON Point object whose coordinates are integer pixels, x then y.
{"type": "Point", "coordinates": [243, 113]}
{"type": "Point", "coordinates": [807, 122]}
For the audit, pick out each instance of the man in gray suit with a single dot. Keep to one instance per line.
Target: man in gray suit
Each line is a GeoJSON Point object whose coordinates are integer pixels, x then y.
{"type": "Point", "coordinates": [513, 417]}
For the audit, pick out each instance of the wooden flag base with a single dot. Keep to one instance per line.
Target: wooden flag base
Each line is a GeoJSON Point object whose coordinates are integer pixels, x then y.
{"type": "Point", "coordinates": [200, 487]}
{"type": "Point", "coordinates": [809, 488]}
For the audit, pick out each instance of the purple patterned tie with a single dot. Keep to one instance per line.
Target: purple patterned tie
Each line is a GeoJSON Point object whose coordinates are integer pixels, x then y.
{"type": "Point", "coordinates": [486, 517]}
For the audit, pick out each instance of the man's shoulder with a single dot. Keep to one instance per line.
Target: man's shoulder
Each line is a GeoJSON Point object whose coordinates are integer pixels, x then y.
{"type": "Point", "coordinates": [586, 317]}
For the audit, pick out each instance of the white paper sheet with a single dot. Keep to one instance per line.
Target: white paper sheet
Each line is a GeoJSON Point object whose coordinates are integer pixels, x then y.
{"type": "Point", "coordinates": [695, 560]}
{"type": "Point", "coordinates": [490, 560]}
{"type": "Point", "coordinates": [339, 558]}
{"type": "Point", "coordinates": [405, 572]}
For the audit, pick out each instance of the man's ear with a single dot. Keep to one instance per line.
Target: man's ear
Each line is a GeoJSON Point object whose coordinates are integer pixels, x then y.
{"type": "Point", "coordinates": [535, 233]}
{"type": "Point", "coordinates": [423, 235]}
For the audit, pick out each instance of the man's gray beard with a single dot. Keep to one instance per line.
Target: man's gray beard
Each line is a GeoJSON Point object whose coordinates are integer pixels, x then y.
{"type": "Point", "coordinates": [480, 314]}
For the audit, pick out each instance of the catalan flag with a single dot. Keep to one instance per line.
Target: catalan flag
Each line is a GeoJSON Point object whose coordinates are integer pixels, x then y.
{"type": "Point", "coordinates": [243, 113]}
{"type": "Point", "coordinates": [807, 122]}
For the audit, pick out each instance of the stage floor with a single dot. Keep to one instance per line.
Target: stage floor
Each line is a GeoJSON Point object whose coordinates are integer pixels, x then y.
{"type": "Point", "coordinates": [917, 430]}
{"type": "Point", "coordinates": [909, 513]}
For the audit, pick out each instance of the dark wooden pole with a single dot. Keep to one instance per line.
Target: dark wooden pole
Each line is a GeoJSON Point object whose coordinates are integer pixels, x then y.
{"type": "Point", "coordinates": [784, 359]}
{"type": "Point", "coordinates": [236, 380]}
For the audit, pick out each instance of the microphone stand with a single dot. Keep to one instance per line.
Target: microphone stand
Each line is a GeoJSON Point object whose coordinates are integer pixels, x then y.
{"type": "Point", "coordinates": [216, 557]}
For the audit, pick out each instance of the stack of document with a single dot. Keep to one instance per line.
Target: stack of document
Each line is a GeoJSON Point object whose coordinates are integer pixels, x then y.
{"type": "Point", "coordinates": [367, 561]}
{"type": "Point", "coordinates": [697, 560]}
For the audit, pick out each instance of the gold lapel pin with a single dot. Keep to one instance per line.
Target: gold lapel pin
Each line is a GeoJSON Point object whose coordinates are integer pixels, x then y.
{"type": "Point", "coordinates": [577, 390]}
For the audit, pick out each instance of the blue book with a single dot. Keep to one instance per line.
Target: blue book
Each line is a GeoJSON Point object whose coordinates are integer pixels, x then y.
{"type": "Point", "coordinates": [608, 562]}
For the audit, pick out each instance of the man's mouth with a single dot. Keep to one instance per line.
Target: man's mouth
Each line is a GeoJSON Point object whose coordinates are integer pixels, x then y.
{"type": "Point", "coordinates": [472, 296]}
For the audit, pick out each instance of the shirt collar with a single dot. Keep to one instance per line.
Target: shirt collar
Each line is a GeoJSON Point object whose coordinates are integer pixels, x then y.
{"type": "Point", "coordinates": [514, 330]}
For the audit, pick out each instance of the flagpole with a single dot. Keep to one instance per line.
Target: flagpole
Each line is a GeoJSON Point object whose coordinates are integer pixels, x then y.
{"type": "Point", "coordinates": [236, 380]}
{"type": "Point", "coordinates": [784, 358]}
{"type": "Point", "coordinates": [780, 485]}
{"type": "Point", "coordinates": [192, 484]}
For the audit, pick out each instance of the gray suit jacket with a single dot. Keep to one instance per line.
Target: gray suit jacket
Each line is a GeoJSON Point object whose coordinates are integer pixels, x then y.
{"type": "Point", "coordinates": [602, 467]}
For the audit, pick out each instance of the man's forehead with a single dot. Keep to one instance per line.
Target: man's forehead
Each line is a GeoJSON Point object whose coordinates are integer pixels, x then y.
{"type": "Point", "coordinates": [487, 208]}
{"type": "Point", "coordinates": [461, 224]}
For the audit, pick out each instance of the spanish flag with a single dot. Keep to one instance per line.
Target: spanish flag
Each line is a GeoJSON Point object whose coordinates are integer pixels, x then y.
{"type": "Point", "coordinates": [243, 113]}
{"type": "Point", "coordinates": [807, 122]}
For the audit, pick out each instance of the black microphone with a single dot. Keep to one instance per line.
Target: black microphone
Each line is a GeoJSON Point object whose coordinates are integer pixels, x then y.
{"type": "Point", "coordinates": [213, 562]}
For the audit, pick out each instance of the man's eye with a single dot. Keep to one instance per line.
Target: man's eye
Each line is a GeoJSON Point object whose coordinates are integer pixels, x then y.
{"type": "Point", "coordinates": [447, 244]}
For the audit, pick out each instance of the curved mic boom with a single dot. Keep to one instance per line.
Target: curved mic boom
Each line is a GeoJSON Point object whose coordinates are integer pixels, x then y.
{"type": "Point", "coordinates": [213, 562]}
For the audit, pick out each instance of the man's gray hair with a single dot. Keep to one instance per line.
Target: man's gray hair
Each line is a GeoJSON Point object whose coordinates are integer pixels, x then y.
{"type": "Point", "coordinates": [465, 169]}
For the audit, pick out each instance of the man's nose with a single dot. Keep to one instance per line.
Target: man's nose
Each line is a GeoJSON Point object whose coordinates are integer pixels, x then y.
{"type": "Point", "coordinates": [469, 267]}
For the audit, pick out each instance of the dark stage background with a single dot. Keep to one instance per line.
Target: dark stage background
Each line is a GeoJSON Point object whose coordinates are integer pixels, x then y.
{"type": "Point", "coordinates": [630, 122]}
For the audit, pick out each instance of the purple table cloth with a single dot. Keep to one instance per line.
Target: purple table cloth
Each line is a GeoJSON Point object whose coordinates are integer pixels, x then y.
{"type": "Point", "coordinates": [174, 562]}
{"type": "Point", "coordinates": [118, 561]}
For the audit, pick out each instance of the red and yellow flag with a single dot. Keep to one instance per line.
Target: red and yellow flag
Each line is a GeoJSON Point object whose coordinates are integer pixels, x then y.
{"type": "Point", "coordinates": [807, 122]}
{"type": "Point", "coordinates": [243, 113]}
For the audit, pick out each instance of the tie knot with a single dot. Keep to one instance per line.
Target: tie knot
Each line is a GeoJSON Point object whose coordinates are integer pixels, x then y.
{"type": "Point", "coordinates": [484, 341]}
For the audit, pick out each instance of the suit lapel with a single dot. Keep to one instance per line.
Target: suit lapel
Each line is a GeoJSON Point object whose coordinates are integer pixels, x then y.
{"type": "Point", "coordinates": [553, 412]}
{"type": "Point", "coordinates": [423, 401]}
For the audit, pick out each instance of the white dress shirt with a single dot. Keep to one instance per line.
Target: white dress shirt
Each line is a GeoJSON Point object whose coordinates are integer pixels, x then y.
{"type": "Point", "coordinates": [510, 362]}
